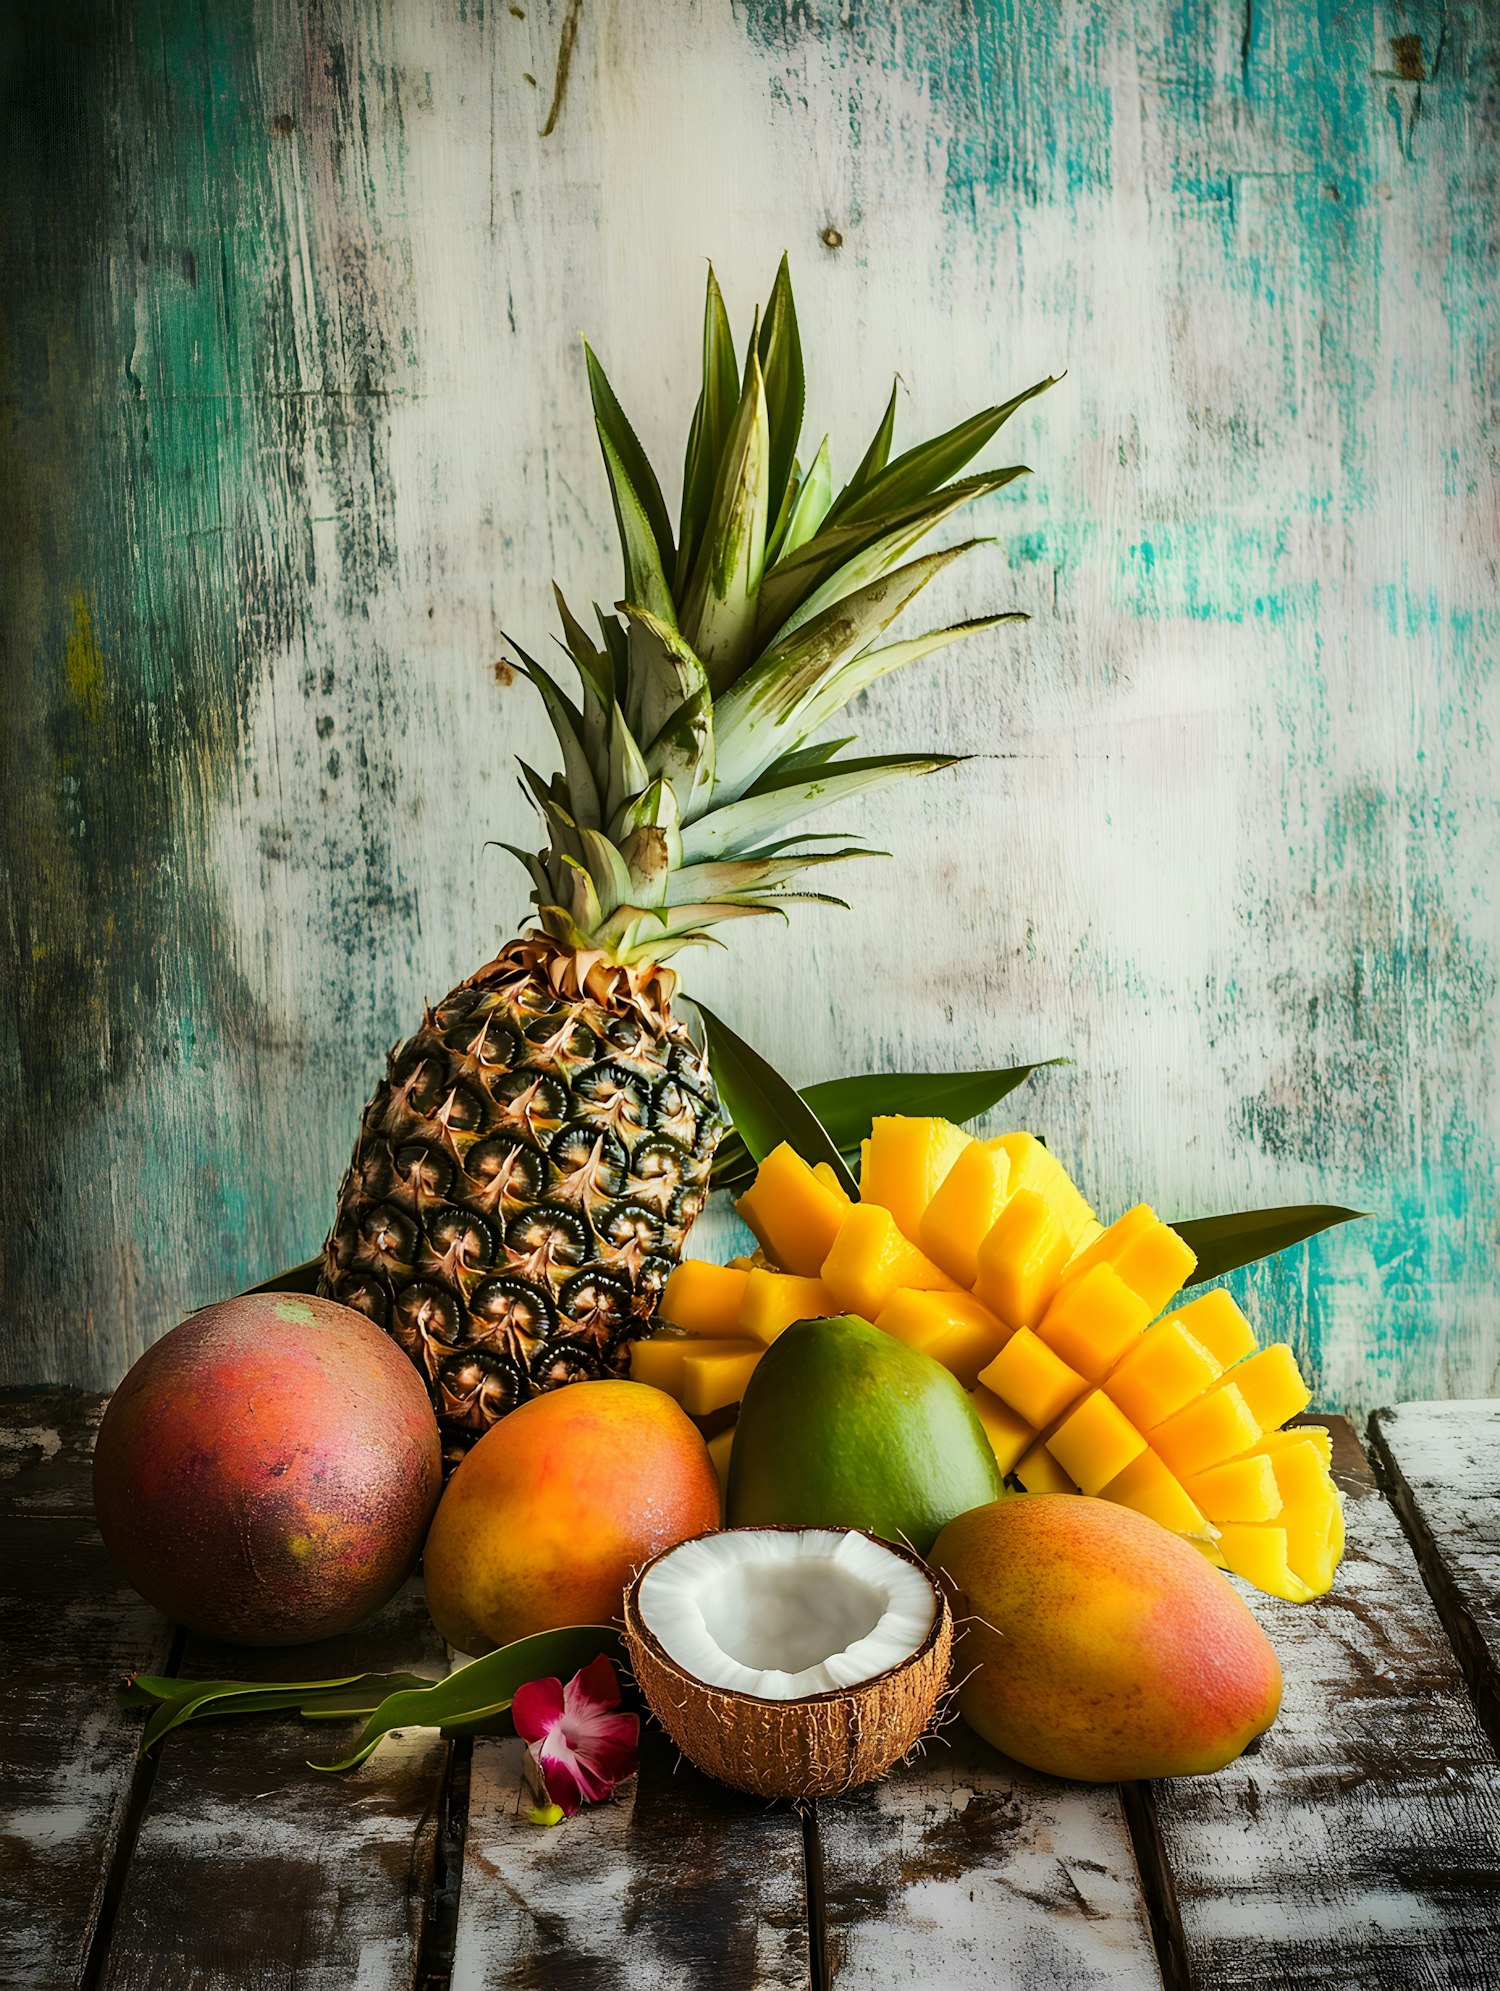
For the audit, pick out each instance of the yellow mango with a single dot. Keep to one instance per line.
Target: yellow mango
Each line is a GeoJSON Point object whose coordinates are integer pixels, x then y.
{"type": "Point", "coordinates": [1095, 1442]}
{"type": "Point", "coordinates": [1020, 1260]}
{"type": "Point", "coordinates": [1165, 1370]}
{"type": "Point", "coordinates": [1242, 1489]}
{"type": "Point", "coordinates": [1214, 1320]}
{"type": "Point", "coordinates": [1216, 1427]}
{"type": "Point", "coordinates": [1151, 1489]}
{"type": "Point", "coordinates": [1031, 1379]}
{"type": "Point", "coordinates": [703, 1299]}
{"type": "Point", "coordinates": [953, 1328]}
{"type": "Point", "coordinates": [1035, 1167]}
{"type": "Point", "coordinates": [1092, 1321]}
{"type": "Point", "coordinates": [1312, 1512]}
{"type": "Point", "coordinates": [1148, 1255]}
{"type": "Point", "coordinates": [964, 1208]}
{"type": "Point", "coordinates": [1317, 1435]}
{"type": "Point", "coordinates": [1009, 1434]}
{"type": "Point", "coordinates": [794, 1213]}
{"type": "Point", "coordinates": [714, 1374]}
{"type": "Point", "coordinates": [903, 1163]}
{"type": "Point", "coordinates": [1091, 1232]}
{"type": "Point", "coordinates": [1259, 1554]}
{"type": "Point", "coordinates": [1039, 1472]}
{"type": "Point", "coordinates": [719, 1449]}
{"type": "Point", "coordinates": [773, 1300]}
{"type": "Point", "coordinates": [869, 1259]}
{"type": "Point", "coordinates": [659, 1360]}
{"type": "Point", "coordinates": [1112, 1239]}
{"type": "Point", "coordinates": [1272, 1385]}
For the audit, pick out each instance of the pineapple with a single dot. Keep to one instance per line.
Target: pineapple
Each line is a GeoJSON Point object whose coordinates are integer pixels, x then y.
{"type": "Point", "coordinates": [526, 1172]}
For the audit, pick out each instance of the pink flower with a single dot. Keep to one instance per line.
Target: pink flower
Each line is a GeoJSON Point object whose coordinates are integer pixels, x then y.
{"type": "Point", "coordinates": [581, 1748]}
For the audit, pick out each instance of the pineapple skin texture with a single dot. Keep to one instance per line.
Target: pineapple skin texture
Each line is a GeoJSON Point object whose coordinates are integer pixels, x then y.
{"type": "Point", "coordinates": [523, 1182]}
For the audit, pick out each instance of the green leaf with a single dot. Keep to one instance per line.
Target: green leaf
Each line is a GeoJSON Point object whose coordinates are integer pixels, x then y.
{"type": "Point", "coordinates": [923, 469]}
{"type": "Point", "coordinates": [645, 575]}
{"type": "Point", "coordinates": [776, 802]}
{"type": "Point", "coordinates": [1244, 1237]}
{"type": "Point", "coordinates": [675, 705]}
{"type": "Point", "coordinates": [862, 671]}
{"type": "Point", "coordinates": [848, 1107]}
{"type": "Point", "coordinates": [780, 351]}
{"type": "Point", "coordinates": [620, 439]}
{"type": "Point", "coordinates": [479, 1692]}
{"type": "Point", "coordinates": [878, 455]}
{"type": "Point", "coordinates": [568, 725]}
{"type": "Point", "coordinates": [808, 508]}
{"type": "Point", "coordinates": [765, 1109]}
{"type": "Point", "coordinates": [301, 1278]}
{"type": "Point", "coordinates": [718, 614]}
{"type": "Point", "coordinates": [178, 1701]}
{"type": "Point", "coordinates": [712, 419]}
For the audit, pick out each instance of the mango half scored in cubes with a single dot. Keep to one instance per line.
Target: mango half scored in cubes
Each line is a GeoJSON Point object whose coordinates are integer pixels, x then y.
{"type": "Point", "coordinates": [984, 1256]}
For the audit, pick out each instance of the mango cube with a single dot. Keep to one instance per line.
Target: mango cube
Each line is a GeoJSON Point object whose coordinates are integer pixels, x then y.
{"type": "Point", "coordinates": [1095, 1442]}
{"type": "Point", "coordinates": [953, 1328]}
{"type": "Point", "coordinates": [1312, 1512]}
{"type": "Point", "coordinates": [1316, 1435]}
{"type": "Point", "coordinates": [1008, 1433]}
{"type": "Point", "coordinates": [1153, 1490]}
{"type": "Point", "coordinates": [869, 1259]}
{"type": "Point", "coordinates": [903, 1163]}
{"type": "Point", "coordinates": [1148, 1255]}
{"type": "Point", "coordinates": [1039, 1472]}
{"type": "Point", "coordinates": [1272, 1385]}
{"type": "Point", "coordinates": [1092, 1321]}
{"type": "Point", "coordinates": [773, 1300]}
{"type": "Point", "coordinates": [703, 1299]}
{"type": "Point", "coordinates": [964, 1208]}
{"type": "Point", "coordinates": [1112, 1239]}
{"type": "Point", "coordinates": [1164, 1371]}
{"type": "Point", "coordinates": [1035, 1167]}
{"type": "Point", "coordinates": [1020, 1260]}
{"type": "Point", "coordinates": [715, 1374]}
{"type": "Point", "coordinates": [1259, 1554]}
{"type": "Point", "coordinates": [1216, 1427]}
{"type": "Point", "coordinates": [1091, 1231]}
{"type": "Point", "coordinates": [1216, 1322]}
{"type": "Point", "coordinates": [794, 1213]}
{"type": "Point", "coordinates": [1240, 1490]}
{"type": "Point", "coordinates": [659, 1360]}
{"type": "Point", "coordinates": [719, 1449]}
{"type": "Point", "coordinates": [1031, 1379]}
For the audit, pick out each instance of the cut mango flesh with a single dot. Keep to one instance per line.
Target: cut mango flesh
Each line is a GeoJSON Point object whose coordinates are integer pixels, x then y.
{"type": "Point", "coordinates": [1035, 1167]}
{"type": "Point", "coordinates": [793, 1212]}
{"type": "Point", "coordinates": [714, 1374]}
{"type": "Point", "coordinates": [1039, 1472]}
{"type": "Point", "coordinates": [1214, 1320]}
{"type": "Point", "coordinates": [1093, 1320]}
{"type": "Point", "coordinates": [773, 1300]}
{"type": "Point", "coordinates": [1031, 1379]}
{"type": "Point", "coordinates": [904, 1162]}
{"type": "Point", "coordinates": [870, 1259]}
{"type": "Point", "coordinates": [1217, 1427]}
{"type": "Point", "coordinates": [962, 1213]}
{"type": "Point", "coordinates": [1162, 1373]}
{"type": "Point", "coordinates": [1260, 1556]}
{"type": "Point", "coordinates": [718, 1450]}
{"type": "Point", "coordinates": [953, 1328]}
{"type": "Point", "coordinates": [1148, 1255]}
{"type": "Point", "coordinates": [1112, 1239]}
{"type": "Point", "coordinates": [659, 1360]}
{"type": "Point", "coordinates": [1009, 1434]}
{"type": "Point", "coordinates": [1272, 1385]}
{"type": "Point", "coordinates": [1020, 1260]}
{"type": "Point", "coordinates": [703, 1299]}
{"type": "Point", "coordinates": [1240, 1490]}
{"type": "Point", "coordinates": [1151, 1489]}
{"type": "Point", "coordinates": [1095, 1442]}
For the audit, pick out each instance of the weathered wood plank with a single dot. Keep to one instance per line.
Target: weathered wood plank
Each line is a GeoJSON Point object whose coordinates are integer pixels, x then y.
{"type": "Point", "coordinates": [965, 1870]}
{"type": "Point", "coordinates": [1442, 1465]}
{"type": "Point", "coordinates": [1359, 1843]}
{"type": "Point", "coordinates": [678, 1885]}
{"type": "Point", "coordinates": [252, 1870]}
{"type": "Point", "coordinates": [70, 1627]}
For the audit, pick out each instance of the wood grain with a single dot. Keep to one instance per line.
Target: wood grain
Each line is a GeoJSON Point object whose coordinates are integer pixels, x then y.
{"type": "Point", "coordinates": [964, 1869]}
{"type": "Point", "coordinates": [296, 426]}
{"type": "Point", "coordinates": [70, 1628]}
{"type": "Point", "coordinates": [1358, 1844]}
{"type": "Point", "coordinates": [1441, 1462]}
{"type": "Point", "coordinates": [679, 1883]}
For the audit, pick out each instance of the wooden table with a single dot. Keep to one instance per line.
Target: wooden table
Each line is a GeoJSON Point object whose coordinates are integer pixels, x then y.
{"type": "Point", "coordinates": [1358, 1844]}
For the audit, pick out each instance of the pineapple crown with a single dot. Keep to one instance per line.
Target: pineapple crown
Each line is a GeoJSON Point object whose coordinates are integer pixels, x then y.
{"type": "Point", "coordinates": [690, 757]}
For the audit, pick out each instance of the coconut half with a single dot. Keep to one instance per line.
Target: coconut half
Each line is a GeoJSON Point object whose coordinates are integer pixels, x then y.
{"type": "Point", "coordinates": [793, 1662]}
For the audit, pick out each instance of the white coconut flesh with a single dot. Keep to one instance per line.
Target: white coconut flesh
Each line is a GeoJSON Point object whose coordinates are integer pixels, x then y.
{"type": "Point", "coordinates": [786, 1613]}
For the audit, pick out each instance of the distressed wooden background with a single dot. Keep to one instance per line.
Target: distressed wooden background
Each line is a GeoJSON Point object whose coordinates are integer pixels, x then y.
{"type": "Point", "coordinates": [295, 425]}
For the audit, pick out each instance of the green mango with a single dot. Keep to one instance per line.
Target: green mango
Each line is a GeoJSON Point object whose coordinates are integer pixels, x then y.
{"type": "Point", "coordinates": [845, 1426]}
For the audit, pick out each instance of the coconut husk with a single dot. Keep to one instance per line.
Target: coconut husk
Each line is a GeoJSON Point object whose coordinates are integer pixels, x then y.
{"type": "Point", "coordinates": [814, 1747]}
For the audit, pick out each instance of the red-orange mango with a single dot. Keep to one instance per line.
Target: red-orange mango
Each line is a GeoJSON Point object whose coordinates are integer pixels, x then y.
{"type": "Point", "coordinates": [1099, 1645]}
{"type": "Point", "coordinates": [266, 1471]}
{"type": "Point", "coordinates": [548, 1518]}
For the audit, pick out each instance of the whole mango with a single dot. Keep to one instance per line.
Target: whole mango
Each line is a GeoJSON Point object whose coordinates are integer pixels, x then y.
{"type": "Point", "coordinates": [548, 1518]}
{"type": "Point", "coordinates": [1099, 1645]}
{"type": "Point", "coordinates": [266, 1471]}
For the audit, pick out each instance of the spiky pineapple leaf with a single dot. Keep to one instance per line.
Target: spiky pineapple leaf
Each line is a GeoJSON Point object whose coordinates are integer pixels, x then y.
{"type": "Point", "coordinates": [764, 1108]}
{"type": "Point", "coordinates": [863, 670]}
{"type": "Point", "coordinates": [645, 575]}
{"type": "Point", "coordinates": [718, 615]}
{"type": "Point", "coordinates": [808, 509]}
{"type": "Point", "coordinates": [712, 419]}
{"type": "Point", "coordinates": [1243, 1237]}
{"type": "Point", "coordinates": [569, 725]}
{"type": "Point", "coordinates": [621, 440]}
{"type": "Point", "coordinates": [921, 470]}
{"type": "Point", "coordinates": [301, 1278]}
{"type": "Point", "coordinates": [780, 351]}
{"type": "Point", "coordinates": [776, 803]}
{"type": "Point", "coordinates": [878, 455]}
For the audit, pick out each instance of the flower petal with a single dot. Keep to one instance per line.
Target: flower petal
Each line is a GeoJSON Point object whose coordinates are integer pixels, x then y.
{"type": "Point", "coordinates": [536, 1708]}
{"type": "Point", "coordinates": [596, 1685]}
{"type": "Point", "coordinates": [562, 1786]}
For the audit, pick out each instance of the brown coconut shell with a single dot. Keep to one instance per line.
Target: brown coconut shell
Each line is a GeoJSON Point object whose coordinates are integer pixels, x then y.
{"type": "Point", "coordinates": [814, 1747]}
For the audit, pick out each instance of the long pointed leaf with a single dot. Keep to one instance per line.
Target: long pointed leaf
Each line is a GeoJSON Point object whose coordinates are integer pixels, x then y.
{"type": "Point", "coordinates": [780, 349]}
{"type": "Point", "coordinates": [1243, 1237]}
{"type": "Point", "coordinates": [765, 1109]}
{"type": "Point", "coordinates": [751, 876]}
{"type": "Point", "coordinates": [731, 832]}
{"type": "Point", "coordinates": [923, 469]}
{"type": "Point", "coordinates": [671, 674]}
{"type": "Point", "coordinates": [625, 444]}
{"type": "Point", "coordinates": [870, 665]}
{"type": "Point", "coordinates": [718, 616]}
{"type": "Point", "coordinates": [712, 420]}
{"type": "Point", "coordinates": [645, 574]}
{"type": "Point", "coordinates": [568, 725]}
{"type": "Point", "coordinates": [878, 455]}
{"type": "Point", "coordinates": [808, 509]}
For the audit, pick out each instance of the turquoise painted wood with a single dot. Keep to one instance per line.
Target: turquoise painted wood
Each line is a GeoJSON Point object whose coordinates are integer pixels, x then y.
{"type": "Point", "coordinates": [295, 429]}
